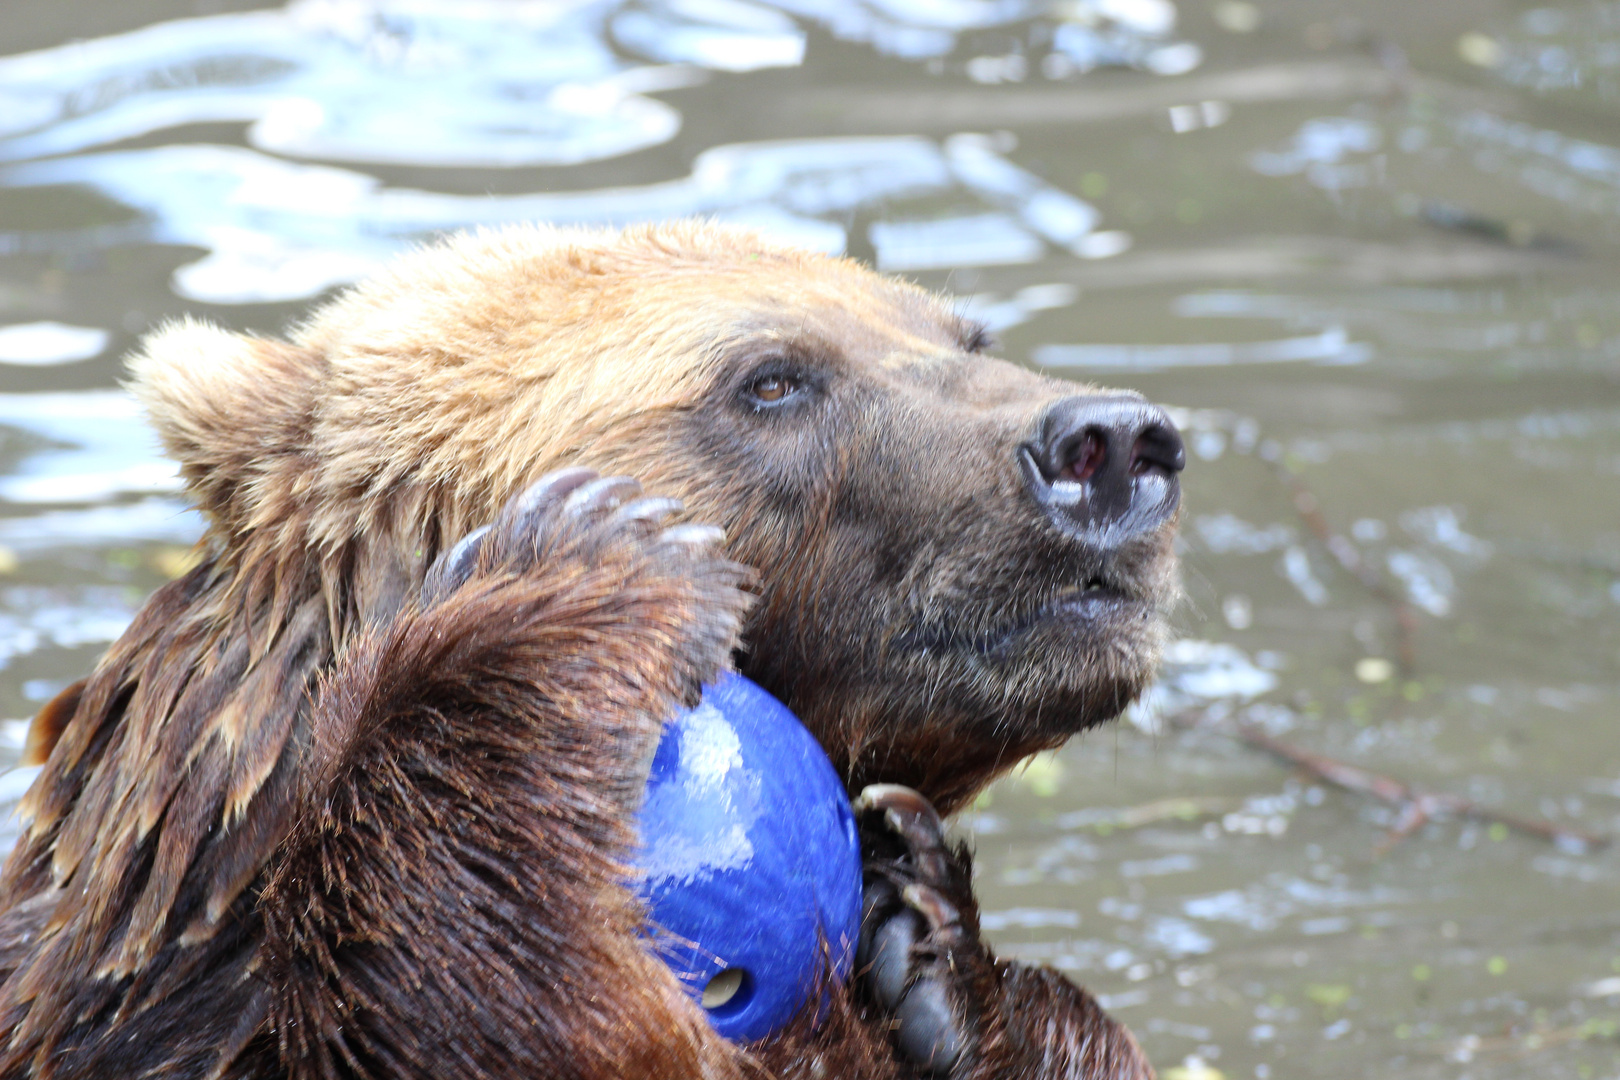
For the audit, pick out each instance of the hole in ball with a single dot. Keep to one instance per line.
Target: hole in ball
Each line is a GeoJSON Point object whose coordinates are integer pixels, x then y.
{"type": "Point", "coordinates": [729, 988]}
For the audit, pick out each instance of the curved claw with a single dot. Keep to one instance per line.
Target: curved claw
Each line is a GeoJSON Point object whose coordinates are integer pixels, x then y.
{"type": "Point", "coordinates": [944, 921]}
{"type": "Point", "coordinates": [693, 535]}
{"type": "Point", "coordinates": [541, 497]}
{"type": "Point", "coordinates": [916, 822]}
{"type": "Point", "coordinates": [912, 935]}
{"type": "Point", "coordinates": [454, 567]}
{"type": "Point", "coordinates": [519, 524]}
{"type": "Point", "coordinates": [893, 796]}
{"type": "Point", "coordinates": [651, 509]}
{"type": "Point", "coordinates": [602, 495]}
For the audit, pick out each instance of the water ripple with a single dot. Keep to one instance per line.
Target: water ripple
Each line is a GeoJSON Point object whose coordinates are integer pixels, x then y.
{"type": "Point", "coordinates": [283, 231]}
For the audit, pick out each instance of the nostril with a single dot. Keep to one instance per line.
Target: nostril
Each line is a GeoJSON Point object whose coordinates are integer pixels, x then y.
{"type": "Point", "coordinates": [1158, 447]}
{"type": "Point", "coordinates": [1105, 467]}
{"type": "Point", "coordinates": [1086, 458]}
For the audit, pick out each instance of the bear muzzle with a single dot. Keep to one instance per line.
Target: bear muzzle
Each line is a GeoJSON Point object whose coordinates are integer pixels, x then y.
{"type": "Point", "coordinates": [1104, 469]}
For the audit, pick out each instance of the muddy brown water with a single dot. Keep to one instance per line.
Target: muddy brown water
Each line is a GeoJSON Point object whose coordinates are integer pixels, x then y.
{"type": "Point", "coordinates": [1373, 246]}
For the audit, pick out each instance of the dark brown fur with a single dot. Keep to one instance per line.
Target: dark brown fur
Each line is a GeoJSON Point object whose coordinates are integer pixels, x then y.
{"type": "Point", "coordinates": [304, 823]}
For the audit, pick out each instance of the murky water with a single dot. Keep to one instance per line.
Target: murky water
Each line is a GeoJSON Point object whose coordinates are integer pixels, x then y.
{"type": "Point", "coordinates": [1373, 248]}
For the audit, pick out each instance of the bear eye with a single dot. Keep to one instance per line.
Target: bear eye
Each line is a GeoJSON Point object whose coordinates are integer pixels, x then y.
{"type": "Point", "coordinates": [772, 388]}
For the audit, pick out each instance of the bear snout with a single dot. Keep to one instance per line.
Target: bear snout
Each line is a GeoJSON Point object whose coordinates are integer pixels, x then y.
{"type": "Point", "coordinates": [1105, 468]}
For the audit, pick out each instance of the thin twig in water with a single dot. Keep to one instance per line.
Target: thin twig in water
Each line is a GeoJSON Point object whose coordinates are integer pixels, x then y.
{"type": "Point", "coordinates": [1414, 807]}
{"type": "Point", "coordinates": [1349, 557]}
{"type": "Point", "coordinates": [1136, 817]}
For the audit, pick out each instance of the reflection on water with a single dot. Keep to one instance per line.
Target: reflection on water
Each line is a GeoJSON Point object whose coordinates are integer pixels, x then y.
{"type": "Point", "coordinates": [1331, 346]}
{"type": "Point", "coordinates": [82, 447]}
{"type": "Point", "coordinates": [284, 231]}
{"type": "Point", "coordinates": [149, 519]}
{"type": "Point", "coordinates": [1341, 154]}
{"type": "Point", "coordinates": [522, 82]}
{"type": "Point", "coordinates": [1568, 51]}
{"type": "Point", "coordinates": [444, 84]}
{"type": "Point", "coordinates": [1372, 262]}
{"type": "Point", "coordinates": [50, 343]}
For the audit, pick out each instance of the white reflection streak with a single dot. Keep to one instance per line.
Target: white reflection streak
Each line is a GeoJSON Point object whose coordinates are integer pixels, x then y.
{"type": "Point", "coordinates": [940, 243]}
{"type": "Point", "coordinates": [97, 446]}
{"type": "Point", "coordinates": [41, 344]}
{"type": "Point", "coordinates": [1324, 141]}
{"type": "Point", "coordinates": [1054, 214]}
{"type": "Point", "coordinates": [998, 314]}
{"type": "Point", "coordinates": [150, 519]}
{"type": "Point", "coordinates": [1199, 673]}
{"type": "Point", "coordinates": [1331, 346]}
{"type": "Point", "coordinates": [725, 35]}
{"type": "Point", "coordinates": [1035, 211]}
{"type": "Point", "coordinates": [910, 29]}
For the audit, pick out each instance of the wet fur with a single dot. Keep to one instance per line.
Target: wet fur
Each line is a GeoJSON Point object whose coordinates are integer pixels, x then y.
{"type": "Point", "coordinates": [299, 824]}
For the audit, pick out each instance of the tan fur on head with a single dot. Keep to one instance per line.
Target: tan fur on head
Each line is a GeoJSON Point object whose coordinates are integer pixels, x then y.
{"type": "Point", "coordinates": [407, 437]}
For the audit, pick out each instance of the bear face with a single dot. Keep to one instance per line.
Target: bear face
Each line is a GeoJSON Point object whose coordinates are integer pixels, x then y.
{"type": "Point", "coordinates": [923, 611]}
{"type": "Point", "coordinates": [939, 597]}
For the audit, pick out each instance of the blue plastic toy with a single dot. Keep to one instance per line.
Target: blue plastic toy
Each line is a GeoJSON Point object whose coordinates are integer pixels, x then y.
{"type": "Point", "coordinates": [749, 858]}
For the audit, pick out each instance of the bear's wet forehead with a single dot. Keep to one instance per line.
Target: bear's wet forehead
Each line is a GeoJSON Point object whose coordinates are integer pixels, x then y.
{"type": "Point", "coordinates": [859, 317]}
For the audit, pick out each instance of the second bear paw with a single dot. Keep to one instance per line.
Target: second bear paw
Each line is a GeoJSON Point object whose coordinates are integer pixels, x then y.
{"type": "Point", "coordinates": [919, 950]}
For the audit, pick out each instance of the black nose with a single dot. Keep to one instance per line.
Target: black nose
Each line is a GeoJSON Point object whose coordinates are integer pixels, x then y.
{"type": "Point", "coordinates": [1105, 467]}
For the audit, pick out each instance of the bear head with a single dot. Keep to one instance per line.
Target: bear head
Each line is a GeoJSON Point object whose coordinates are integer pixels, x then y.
{"type": "Point", "coordinates": [959, 561]}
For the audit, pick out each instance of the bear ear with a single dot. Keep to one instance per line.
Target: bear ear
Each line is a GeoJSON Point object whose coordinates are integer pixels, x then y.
{"type": "Point", "coordinates": [232, 409]}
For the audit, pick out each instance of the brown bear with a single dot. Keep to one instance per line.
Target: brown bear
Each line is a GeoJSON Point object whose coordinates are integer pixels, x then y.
{"type": "Point", "coordinates": [354, 796]}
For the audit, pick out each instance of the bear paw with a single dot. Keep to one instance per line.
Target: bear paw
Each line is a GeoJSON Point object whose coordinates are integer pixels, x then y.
{"type": "Point", "coordinates": [568, 512]}
{"type": "Point", "coordinates": [573, 523]}
{"type": "Point", "coordinates": [919, 951]}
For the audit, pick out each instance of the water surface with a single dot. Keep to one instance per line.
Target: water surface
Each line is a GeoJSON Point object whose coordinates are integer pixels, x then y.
{"type": "Point", "coordinates": [1369, 247]}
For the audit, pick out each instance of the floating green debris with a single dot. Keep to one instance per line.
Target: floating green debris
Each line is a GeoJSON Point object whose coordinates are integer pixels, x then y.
{"type": "Point", "coordinates": [1330, 996]}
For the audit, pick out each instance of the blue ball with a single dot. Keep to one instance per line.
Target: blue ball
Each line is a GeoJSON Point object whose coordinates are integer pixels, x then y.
{"type": "Point", "coordinates": [749, 858]}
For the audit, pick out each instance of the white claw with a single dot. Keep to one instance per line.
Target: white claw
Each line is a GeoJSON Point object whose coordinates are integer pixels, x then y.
{"type": "Point", "coordinates": [874, 794]}
{"type": "Point", "coordinates": [940, 912]}
{"type": "Point", "coordinates": [693, 535]}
